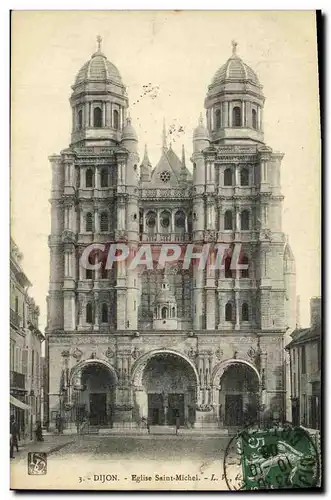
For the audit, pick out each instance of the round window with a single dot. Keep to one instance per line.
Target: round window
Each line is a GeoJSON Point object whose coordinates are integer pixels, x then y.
{"type": "Point", "coordinates": [165, 221]}
{"type": "Point", "coordinates": [151, 221]}
{"type": "Point", "coordinates": [165, 176]}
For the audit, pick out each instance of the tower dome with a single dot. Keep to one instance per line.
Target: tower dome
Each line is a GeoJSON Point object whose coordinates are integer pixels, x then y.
{"type": "Point", "coordinates": [201, 138]}
{"type": "Point", "coordinates": [234, 103]}
{"type": "Point", "coordinates": [99, 102]}
{"type": "Point", "coordinates": [98, 68]}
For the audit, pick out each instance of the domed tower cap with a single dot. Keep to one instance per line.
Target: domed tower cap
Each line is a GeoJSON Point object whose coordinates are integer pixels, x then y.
{"type": "Point", "coordinates": [235, 70]}
{"type": "Point", "coordinates": [129, 133]}
{"type": "Point", "coordinates": [200, 132]}
{"type": "Point", "coordinates": [97, 69]}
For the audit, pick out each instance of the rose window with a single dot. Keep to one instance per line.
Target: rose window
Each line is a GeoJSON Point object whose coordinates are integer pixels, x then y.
{"type": "Point", "coordinates": [165, 176]}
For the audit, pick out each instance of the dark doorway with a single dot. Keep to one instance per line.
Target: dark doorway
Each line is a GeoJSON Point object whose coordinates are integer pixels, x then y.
{"type": "Point", "coordinates": [98, 412]}
{"type": "Point", "coordinates": [155, 409]}
{"type": "Point", "coordinates": [233, 409]}
{"type": "Point", "coordinates": [176, 409]}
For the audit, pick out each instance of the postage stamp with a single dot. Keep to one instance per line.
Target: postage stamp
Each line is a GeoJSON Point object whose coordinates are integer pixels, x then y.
{"type": "Point", "coordinates": [275, 456]}
{"type": "Point", "coordinates": [37, 463]}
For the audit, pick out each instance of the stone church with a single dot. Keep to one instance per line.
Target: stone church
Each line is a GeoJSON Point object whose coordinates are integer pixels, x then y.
{"type": "Point", "coordinates": [204, 346]}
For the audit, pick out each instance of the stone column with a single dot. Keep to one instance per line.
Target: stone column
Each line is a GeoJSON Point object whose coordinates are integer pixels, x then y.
{"type": "Point", "coordinates": [96, 312]}
{"type": "Point", "coordinates": [96, 221]}
{"type": "Point", "coordinates": [237, 176]}
{"type": "Point", "coordinates": [237, 326]}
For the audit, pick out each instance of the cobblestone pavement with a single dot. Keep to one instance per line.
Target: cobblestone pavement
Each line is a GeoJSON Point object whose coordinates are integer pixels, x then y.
{"type": "Point", "coordinates": [127, 462]}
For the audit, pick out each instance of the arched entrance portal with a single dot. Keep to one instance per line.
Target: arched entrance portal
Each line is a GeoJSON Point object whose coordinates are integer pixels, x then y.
{"type": "Point", "coordinates": [167, 389]}
{"type": "Point", "coordinates": [238, 395]}
{"type": "Point", "coordinates": [94, 394]}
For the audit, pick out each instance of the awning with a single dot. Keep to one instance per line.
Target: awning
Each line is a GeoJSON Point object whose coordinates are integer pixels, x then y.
{"type": "Point", "coordinates": [18, 403]}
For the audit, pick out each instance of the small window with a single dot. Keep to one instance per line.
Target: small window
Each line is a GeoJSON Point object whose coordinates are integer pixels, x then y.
{"type": "Point", "coordinates": [236, 117]}
{"type": "Point", "coordinates": [228, 223]}
{"type": "Point", "coordinates": [89, 222]}
{"type": "Point", "coordinates": [173, 312]}
{"type": "Point", "coordinates": [80, 119]}
{"type": "Point", "coordinates": [254, 119]}
{"type": "Point", "coordinates": [104, 313]}
{"type": "Point", "coordinates": [227, 267]}
{"type": "Point", "coordinates": [218, 118]}
{"type": "Point", "coordinates": [116, 120]}
{"type": "Point", "coordinates": [228, 177]}
{"type": "Point", "coordinates": [16, 305]}
{"type": "Point", "coordinates": [245, 272]}
{"type": "Point", "coordinates": [164, 313]}
{"type": "Point", "coordinates": [104, 222]}
{"type": "Point", "coordinates": [89, 313]}
{"type": "Point", "coordinates": [244, 220]}
{"type": "Point", "coordinates": [151, 220]}
{"type": "Point", "coordinates": [244, 177]}
{"type": "Point", "coordinates": [104, 178]}
{"type": "Point", "coordinates": [89, 178]}
{"type": "Point", "coordinates": [303, 360]}
{"type": "Point", "coordinates": [228, 312]}
{"type": "Point", "coordinates": [97, 117]}
{"type": "Point", "coordinates": [89, 274]}
{"type": "Point", "coordinates": [244, 312]}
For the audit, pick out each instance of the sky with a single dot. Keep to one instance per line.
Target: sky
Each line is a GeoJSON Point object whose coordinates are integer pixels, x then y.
{"type": "Point", "coordinates": [176, 54]}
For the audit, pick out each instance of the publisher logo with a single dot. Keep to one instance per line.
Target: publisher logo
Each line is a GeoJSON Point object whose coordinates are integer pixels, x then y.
{"type": "Point", "coordinates": [37, 463]}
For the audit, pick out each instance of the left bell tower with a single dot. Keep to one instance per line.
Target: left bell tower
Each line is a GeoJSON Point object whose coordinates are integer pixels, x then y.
{"type": "Point", "coordinates": [99, 103]}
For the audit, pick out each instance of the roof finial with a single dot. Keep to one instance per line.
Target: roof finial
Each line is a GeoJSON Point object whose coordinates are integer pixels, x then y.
{"type": "Point", "coordinates": [164, 136]}
{"type": "Point", "coordinates": [99, 40]}
{"type": "Point", "coordinates": [183, 155]}
{"type": "Point", "coordinates": [200, 120]}
{"type": "Point", "coordinates": [234, 47]}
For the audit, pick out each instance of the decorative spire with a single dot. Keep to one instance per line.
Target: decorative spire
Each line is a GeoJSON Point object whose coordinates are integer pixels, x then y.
{"type": "Point", "coordinates": [183, 155]}
{"type": "Point", "coordinates": [164, 136]}
{"type": "Point", "coordinates": [200, 120]}
{"type": "Point", "coordinates": [146, 158]}
{"type": "Point", "coordinates": [234, 48]}
{"type": "Point", "coordinates": [99, 40]}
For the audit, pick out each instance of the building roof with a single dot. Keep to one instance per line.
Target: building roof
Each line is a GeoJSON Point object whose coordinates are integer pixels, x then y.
{"type": "Point", "coordinates": [304, 335]}
{"type": "Point", "coordinates": [98, 68]}
{"type": "Point", "coordinates": [235, 70]}
{"type": "Point", "coordinates": [169, 162]}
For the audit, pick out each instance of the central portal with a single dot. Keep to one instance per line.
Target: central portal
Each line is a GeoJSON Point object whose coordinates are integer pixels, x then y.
{"type": "Point", "coordinates": [169, 384]}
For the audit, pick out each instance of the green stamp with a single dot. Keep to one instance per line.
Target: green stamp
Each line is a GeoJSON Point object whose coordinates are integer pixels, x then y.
{"type": "Point", "coordinates": [277, 457]}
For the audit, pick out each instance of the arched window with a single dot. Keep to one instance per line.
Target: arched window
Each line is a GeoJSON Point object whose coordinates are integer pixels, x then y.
{"type": "Point", "coordinates": [89, 313]}
{"type": "Point", "coordinates": [245, 272]}
{"type": "Point", "coordinates": [104, 273]}
{"type": "Point", "coordinates": [89, 222]}
{"type": "Point", "coordinates": [89, 178]}
{"type": "Point", "coordinates": [104, 313]}
{"type": "Point", "coordinates": [228, 311]}
{"type": "Point", "coordinates": [218, 118]}
{"type": "Point", "coordinates": [236, 117]}
{"type": "Point", "coordinates": [173, 312]}
{"type": "Point", "coordinates": [164, 313]}
{"type": "Point", "coordinates": [116, 119]}
{"type": "Point", "coordinates": [97, 117]}
{"type": "Point", "coordinates": [228, 220]}
{"type": "Point", "coordinates": [244, 220]}
{"type": "Point", "coordinates": [104, 222]}
{"type": "Point", "coordinates": [180, 219]}
{"type": "Point", "coordinates": [104, 178]}
{"type": "Point", "coordinates": [80, 119]}
{"type": "Point", "coordinates": [254, 119]}
{"type": "Point", "coordinates": [244, 312]}
{"type": "Point", "coordinates": [227, 267]}
{"type": "Point", "coordinates": [228, 177]}
{"type": "Point", "coordinates": [244, 177]}
{"type": "Point", "coordinates": [151, 220]}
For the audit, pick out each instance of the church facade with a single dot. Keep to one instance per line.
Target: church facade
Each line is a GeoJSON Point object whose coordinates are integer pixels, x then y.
{"type": "Point", "coordinates": [199, 344]}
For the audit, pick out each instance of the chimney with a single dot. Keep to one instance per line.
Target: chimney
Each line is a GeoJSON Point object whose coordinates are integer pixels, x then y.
{"type": "Point", "coordinates": [315, 311]}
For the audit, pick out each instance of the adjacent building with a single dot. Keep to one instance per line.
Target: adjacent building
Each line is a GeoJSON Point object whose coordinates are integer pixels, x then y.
{"type": "Point", "coordinates": [305, 361]}
{"type": "Point", "coordinates": [25, 348]}
{"type": "Point", "coordinates": [204, 345]}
